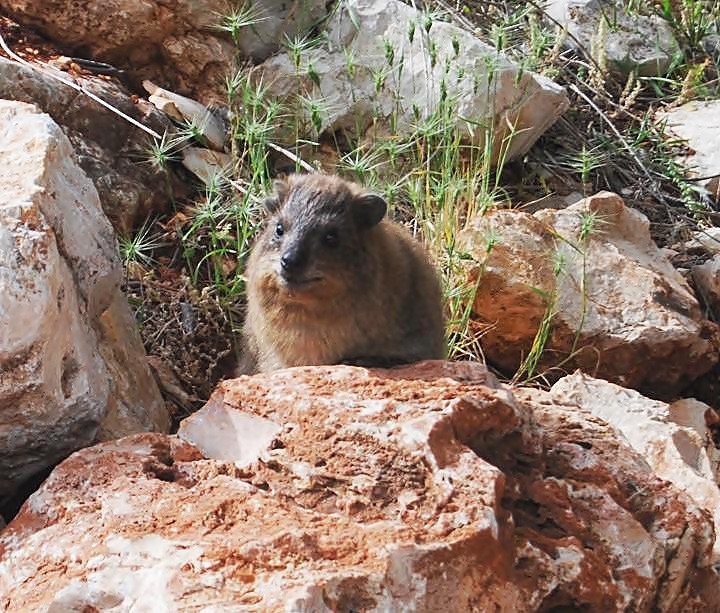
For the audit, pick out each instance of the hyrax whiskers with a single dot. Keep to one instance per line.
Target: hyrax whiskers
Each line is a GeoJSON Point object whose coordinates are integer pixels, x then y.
{"type": "Point", "coordinates": [331, 279]}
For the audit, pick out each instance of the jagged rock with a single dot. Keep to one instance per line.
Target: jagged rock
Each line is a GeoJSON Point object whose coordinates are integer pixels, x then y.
{"type": "Point", "coordinates": [72, 363]}
{"type": "Point", "coordinates": [698, 123]}
{"type": "Point", "coordinates": [673, 438]}
{"type": "Point", "coordinates": [205, 164]}
{"type": "Point", "coordinates": [631, 42]}
{"type": "Point", "coordinates": [707, 279]}
{"type": "Point", "coordinates": [172, 42]}
{"type": "Point", "coordinates": [108, 148]}
{"type": "Point", "coordinates": [189, 111]}
{"type": "Point", "coordinates": [620, 311]}
{"type": "Point", "coordinates": [423, 488]}
{"type": "Point", "coordinates": [705, 239]}
{"type": "Point", "coordinates": [485, 87]}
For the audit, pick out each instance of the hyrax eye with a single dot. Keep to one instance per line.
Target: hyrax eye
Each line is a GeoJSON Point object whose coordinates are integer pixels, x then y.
{"type": "Point", "coordinates": [330, 239]}
{"type": "Point", "coordinates": [279, 229]}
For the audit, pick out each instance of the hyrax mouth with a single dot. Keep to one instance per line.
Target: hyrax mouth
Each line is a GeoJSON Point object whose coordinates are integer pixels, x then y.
{"type": "Point", "coordinates": [297, 283]}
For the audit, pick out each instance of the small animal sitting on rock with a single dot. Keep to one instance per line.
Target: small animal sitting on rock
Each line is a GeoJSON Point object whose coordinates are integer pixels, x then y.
{"type": "Point", "coordinates": [331, 280]}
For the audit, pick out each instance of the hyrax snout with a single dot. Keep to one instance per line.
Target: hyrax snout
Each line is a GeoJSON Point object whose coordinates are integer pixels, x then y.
{"type": "Point", "coordinates": [331, 279]}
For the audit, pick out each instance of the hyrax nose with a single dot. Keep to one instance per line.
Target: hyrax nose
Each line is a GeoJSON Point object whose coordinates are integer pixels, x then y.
{"type": "Point", "coordinates": [291, 262]}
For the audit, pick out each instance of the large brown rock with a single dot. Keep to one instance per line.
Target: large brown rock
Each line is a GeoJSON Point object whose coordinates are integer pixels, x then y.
{"type": "Point", "coordinates": [173, 42]}
{"type": "Point", "coordinates": [423, 488]}
{"type": "Point", "coordinates": [619, 310]}
{"type": "Point", "coordinates": [109, 149]}
{"type": "Point", "coordinates": [72, 366]}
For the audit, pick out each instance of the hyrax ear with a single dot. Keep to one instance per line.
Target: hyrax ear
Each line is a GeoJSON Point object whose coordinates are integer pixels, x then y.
{"type": "Point", "coordinates": [280, 190]}
{"type": "Point", "coordinates": [368, 210]}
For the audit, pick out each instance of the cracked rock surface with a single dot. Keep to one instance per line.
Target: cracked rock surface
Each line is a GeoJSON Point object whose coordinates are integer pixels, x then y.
{"type": "Point", "coordinates": [426, 488]}
{"type": "Point", "coordinates": [620, 310]}
{"type": "Point", "coordinates": [72, 366]}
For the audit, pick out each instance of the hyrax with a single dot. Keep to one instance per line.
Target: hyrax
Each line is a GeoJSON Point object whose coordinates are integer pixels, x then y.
{"type": "Point", "coordinates": [331, 280]}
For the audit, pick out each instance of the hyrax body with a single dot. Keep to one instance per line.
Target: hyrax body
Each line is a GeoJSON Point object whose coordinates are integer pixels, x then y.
{"type": "Point", "coordinates": [331, 280]}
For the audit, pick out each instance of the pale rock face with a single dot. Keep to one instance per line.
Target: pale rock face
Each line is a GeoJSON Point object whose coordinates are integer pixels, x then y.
{"type": "Point", "coordinates": [485, 84]}
{"type": "Point", "coordinates": [72, 366]}
{"type": "Point", "coordinates": [422, 488]}
{"type": "Point", "coordinates": [707, 239]}
{"type": "Point", "coordinates": [707, 281]}
{"type": "Point", "coordinates": [177, 40]}
{"type": "Point", "coordinates": [698, 124]}
{"type": "Point", "coordinates": [620, 308]}
{"type": "Point", "coordinates": [108, 148]}
{"type": "Point", "coordinates": [642, 43]}
{"type": "Point", "coordinates": [673, 438]}
{"type": "Point", "coordinates": [205, 164]}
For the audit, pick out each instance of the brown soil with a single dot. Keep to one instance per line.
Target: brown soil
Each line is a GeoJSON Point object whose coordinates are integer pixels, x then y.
{"type": "Point", "coordinates": [189, 340]}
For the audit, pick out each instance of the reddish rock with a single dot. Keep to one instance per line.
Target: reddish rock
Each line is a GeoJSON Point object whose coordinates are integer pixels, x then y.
{"type": "Point", "coordinates": [169, 41]}
{"type": "Point", "coordinates": [423, 488]}
{"type": "Point", "coordinates": [617, 308]}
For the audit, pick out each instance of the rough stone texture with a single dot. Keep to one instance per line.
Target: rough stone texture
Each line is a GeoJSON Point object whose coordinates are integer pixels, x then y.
{"type": "Point", "coordinates": [280, 19]}
{"type": "Point", "coordinates": [497, 98]}
{"type": "Point", "coordinates": [108, 148]}
{"type": "Point", "coordinates": [705, 239]}
{"type": "Point", "coordinates": [425, 488]}
{"type": "Point", "coordinates": [617, 301]}
{"type": "Point", "coordinates": [631, 42]}
{"type": "Point", "coordinates": [177, 43]}
{"type": "Point", "coordinates": [698, 123]}
{"type": "Point", "coordinates": [71, 362]}
{"type": "Point", "coordinates": [707, 279]}
{"type": "Point", "coordinates": [673, 438]}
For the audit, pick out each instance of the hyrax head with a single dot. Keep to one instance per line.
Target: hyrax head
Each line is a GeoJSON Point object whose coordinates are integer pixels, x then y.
{"type": "Point", "coordinates": [319, 236]}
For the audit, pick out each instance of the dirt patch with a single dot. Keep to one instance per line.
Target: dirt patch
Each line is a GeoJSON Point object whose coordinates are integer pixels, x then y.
{"type": "Point", "coordinates": [26, 43]}
{"type": "Point", "coordinates": [191, 335]}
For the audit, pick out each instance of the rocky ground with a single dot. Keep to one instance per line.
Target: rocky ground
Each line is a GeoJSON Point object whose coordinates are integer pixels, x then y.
{"type": "Point", "coordinates": [567, 459]}
{"type": "Point", "coordinates": [336, 488]}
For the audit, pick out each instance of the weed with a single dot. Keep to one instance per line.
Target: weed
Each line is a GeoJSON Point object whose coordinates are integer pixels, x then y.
{"type": "Point", "coordinates": [140, 247]}
{"type": "Point", "coordinates": [588, 222]}
{"type": "Point", "coordinates": [350, 62]}
{"type": "Point", "coordinates": [529, 366]}
{"type": "Point", "coordinates": [691, 20]}
{"type": "Point", "coordinates": [239, 18]}
{"type": "Point", "coordinates": [585, 162]}
{"type": "Point", "coordinates": [296, 48]}
{"type": "Point", "coordinates": [193, 130]}
{"type": "Point", "coordinates": [159, 154]}
{"type": "Point", "coordinates": [363, 165]}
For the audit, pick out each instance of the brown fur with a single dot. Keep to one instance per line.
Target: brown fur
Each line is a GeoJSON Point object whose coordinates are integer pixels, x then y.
{"type": "Point", "coordinates": [371, 296]}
